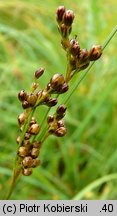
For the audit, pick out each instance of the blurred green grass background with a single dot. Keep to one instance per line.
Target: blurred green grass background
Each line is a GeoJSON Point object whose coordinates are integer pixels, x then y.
{"type": "Point", "coordinates": [83, 164]}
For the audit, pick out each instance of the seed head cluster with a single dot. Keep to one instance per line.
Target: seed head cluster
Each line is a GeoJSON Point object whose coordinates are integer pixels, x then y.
{"type": "Point", "coordinates": [30, 138]}
{"type": "Point", "coordinates": [78, 58]}
{"type": "Point", "coordinates": [29, 146]}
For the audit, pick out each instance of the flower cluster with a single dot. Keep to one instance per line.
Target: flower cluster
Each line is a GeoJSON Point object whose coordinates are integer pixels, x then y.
{"type": "Point", "coordinates": [78, 59]}
{"type": "Point", "coordinates": [56, 125]}
{"type": "Point", "coordinates": [30, 139]}
{"type": "Point", "coordinates": [29, 146]}
{"type": "Point", "coordinates": [28, 151]}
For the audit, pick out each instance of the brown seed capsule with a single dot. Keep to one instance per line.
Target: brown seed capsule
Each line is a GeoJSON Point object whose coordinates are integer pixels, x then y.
{"type": "Point", "coordinates": [22, 95]}
{"type": "Point", "coordinates": [59, 13]}
{"type": "Point", "coordinates": [84, 66]}
{"type": "Point", "coordinates": [60, 112]}
{"type": "Point", "coordinates": [27, 161]}
{"type": "Point", "coordinates": [34, 152]}
{"type": "Point", "coordinates": [60, 116]}
{"type": "Point", "coordinates": [39, 72]}
{"type": "Point", "coordinates": [34, 129]}
{"type": "Point", "coordinates": [27, 171]}
{"type": "Point", "coordinates": [68, 17]}
{"type": "Point", "coordinates": [36, 144]}
{"type": "Point", "coordinates": [52, 102]}
{"type": "Point", "coordinates": [95, 52]}
{"type": "Point", "coordinates": [31, 99]}
{"type": "Point", "coordinates": [50, 119]}
{"type": "Point", "coordinates": [36, 162]}
{"type": "Point", "coordinates": [22, 118]}
{"type": "Point", "coordinates": [60, 131]}
{"type": "Point", "coordinates": [61, 109]}
{"type": "Point", "coordinates": [84, 56]}
{"type": "Point", "coordinates": [64, 88]}
{"type": "Point", "coordinates": [23, 151]}
{"type": "Point", "coordinates": [57, 80]}
{"type": "Point", "coordinates": [25, 104]}
{"type": "Point", "coordinates": [74, 47]}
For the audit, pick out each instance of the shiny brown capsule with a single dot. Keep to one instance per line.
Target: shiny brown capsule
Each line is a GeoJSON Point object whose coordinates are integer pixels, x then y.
{"type": "Point", "coordinates": [50, 119]}
{"type": "Point", "coordinates": [22, 95]}
{"type": "Point", "coordinates": [25, 104]}
{"type": "Point", "coordinates": [60, 132]}
{"type": "Point", "coordinates": [52, 102]}
{"type": "Point", "coordinates": [59, 13]}
{"type": "Point", "coordinates": [68, 17]}
{"type": "Point", "coordinates": [63, 88]}
{"type": "Point", "coordinates": [34, 152]}
{"type": "Point", "coordinates": [22, 118]}
{"type": "Point", "coordinates": [36, 162]}
{"type": "Point", "coordinates": [74, 47]}
{"type": "Point", "coordinates": [34, 129]}
{"type": "Point", "coordinates": [61, 109]}
{"type": "Point", "coordinates": [39, 72]}
{"type": "Point", "coordinates": [57, 80]}
{"type": "Point", "coordinates": [23, 151]}
{"type": "Point", "coordinates": [95, 52]}
{"type": "Point", "coordinates": [27, 171]}
{"type": "Point", "coordinates": [31, 99]}
{"type": "Point", "coordinates": [27, 161]}
{"type": "Point", "coordinates": [84, 55]}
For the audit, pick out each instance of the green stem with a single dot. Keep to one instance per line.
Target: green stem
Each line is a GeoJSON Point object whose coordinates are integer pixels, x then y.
{"type": "Point", "coordinates": [15, 177]}
{"type": "Point", "coordinates": [83, 76]}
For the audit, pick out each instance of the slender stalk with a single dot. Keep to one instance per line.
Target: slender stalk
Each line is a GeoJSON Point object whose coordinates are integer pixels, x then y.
{"type": "Point", "coordinates": [107, 41]}
{"type": "Point", "coordinates": [16, 175]}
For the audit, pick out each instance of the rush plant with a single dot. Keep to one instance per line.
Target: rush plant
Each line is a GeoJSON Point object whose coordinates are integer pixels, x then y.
{"type": "Point", "coordinates": [33, 134]}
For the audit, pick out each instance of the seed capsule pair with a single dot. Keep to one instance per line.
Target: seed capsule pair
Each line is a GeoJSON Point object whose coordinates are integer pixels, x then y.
{"type": "Point", "coordinates": [65, 19]}
{"type": "Point", "coordinates": [27, 171]}
{"type": "Point", "coordinates": [55, 124]}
